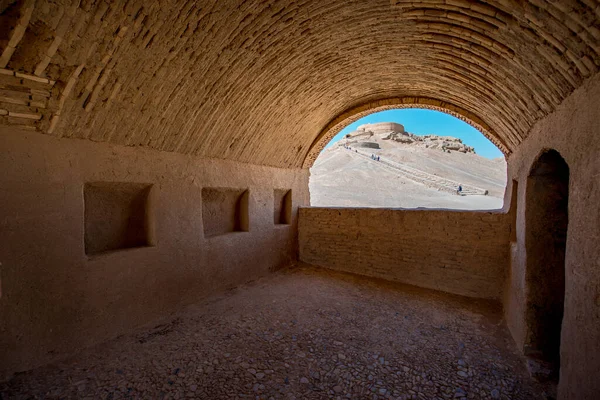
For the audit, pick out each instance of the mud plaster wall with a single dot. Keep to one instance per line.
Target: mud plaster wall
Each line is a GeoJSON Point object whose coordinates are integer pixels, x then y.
{"type": "Point", "coordinates": [573, 131]}
{"type": "Point", "coordinates": [464, 253]}
{"type": "Point", "coordinates": [55, 299]}
{"type": "Point", "coordinates": [118, 215]}
{"type": "Point", "coordinates": [224, 210]}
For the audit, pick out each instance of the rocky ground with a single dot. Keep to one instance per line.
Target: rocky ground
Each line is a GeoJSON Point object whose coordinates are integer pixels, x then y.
{"type": "Point", "coordinates": [302, 333]}
{"type": "Point", "coordinates": [341, 178]}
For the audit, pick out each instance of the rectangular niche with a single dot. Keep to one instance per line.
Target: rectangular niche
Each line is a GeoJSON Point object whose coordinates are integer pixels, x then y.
{"type": "Point", "coordinates": [117, 216]}
{"type": "Point", "coordinates": [224, 210]}
{"type": "Point", "coordinates": [282, 207]}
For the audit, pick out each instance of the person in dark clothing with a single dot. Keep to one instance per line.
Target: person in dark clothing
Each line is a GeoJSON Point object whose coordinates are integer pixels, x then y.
{"type": "Point", "coordinates": [459, 190]}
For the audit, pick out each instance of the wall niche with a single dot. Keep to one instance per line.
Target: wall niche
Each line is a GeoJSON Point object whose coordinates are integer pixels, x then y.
{"type": "Point", "coordinates": [282, 206]}
{"type": "Point", "coordinates": [224, 210]}
{"type": "Point", "coordinates": [117, 216]}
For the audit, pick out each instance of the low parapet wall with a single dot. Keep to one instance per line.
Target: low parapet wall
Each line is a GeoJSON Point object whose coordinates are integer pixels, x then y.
{"type": "Point", "coordinates": [464, 253]}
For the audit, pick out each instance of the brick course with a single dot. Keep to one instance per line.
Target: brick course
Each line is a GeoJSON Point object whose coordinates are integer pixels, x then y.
{"type": "Point", "coordinates": [458, 252]}
{"type": "Point", "coordinates": [225, 79]}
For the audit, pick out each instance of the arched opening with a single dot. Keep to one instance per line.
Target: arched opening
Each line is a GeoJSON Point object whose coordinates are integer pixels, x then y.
{"type": "Point", "coordinates": [409, 158]}
{"type": "Point", "coordinates": [393, 103]}
{"type": "Point", "coordinates": [546, 226]}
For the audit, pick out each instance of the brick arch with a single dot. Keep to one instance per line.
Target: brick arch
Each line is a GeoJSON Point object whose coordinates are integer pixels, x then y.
{"type": "Point", "coordinates": [256, 81]}
{"type": "Point", "coordinates": [355, 113]}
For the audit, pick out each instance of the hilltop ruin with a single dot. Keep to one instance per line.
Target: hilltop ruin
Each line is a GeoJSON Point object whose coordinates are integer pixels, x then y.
{"type": "Point", "coordinates": [363, 137]}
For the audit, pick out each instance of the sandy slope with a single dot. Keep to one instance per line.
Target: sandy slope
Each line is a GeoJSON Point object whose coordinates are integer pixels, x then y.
{"type": "Point", "coordinates": [340, 178]}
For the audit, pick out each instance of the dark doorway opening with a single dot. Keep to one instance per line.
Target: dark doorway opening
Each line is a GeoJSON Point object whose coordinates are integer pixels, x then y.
{"type": "Point", "coordinates": [546, 224]}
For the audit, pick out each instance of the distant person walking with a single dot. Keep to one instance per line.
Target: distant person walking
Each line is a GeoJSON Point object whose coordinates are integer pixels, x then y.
{"type": "Point", "coordinates": [377, 158]}
{"type": "Point", "coordinates": [459, 190]}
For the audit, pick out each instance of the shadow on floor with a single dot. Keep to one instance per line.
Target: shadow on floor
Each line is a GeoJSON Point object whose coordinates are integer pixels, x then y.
{"type": "Point", "coordinates": [302, 333]}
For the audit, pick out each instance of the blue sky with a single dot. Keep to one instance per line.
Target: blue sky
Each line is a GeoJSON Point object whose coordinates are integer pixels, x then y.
{"type": "Point", "coordinates": [424, 122]}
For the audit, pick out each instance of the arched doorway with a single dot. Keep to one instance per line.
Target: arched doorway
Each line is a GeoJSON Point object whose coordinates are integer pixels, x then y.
{"type": "Point", "coordinates": [546, 222]}
{"type": "Point", "coordinates": [408, 158]}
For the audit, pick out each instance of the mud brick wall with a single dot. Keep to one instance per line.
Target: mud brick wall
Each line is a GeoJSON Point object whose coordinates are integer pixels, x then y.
{"type": "Point", "coordinates": [573, 131]}
{"type": "Point", "coordinates": [97, 239]}
{"type": "Point", "coordinates": [465, 253]}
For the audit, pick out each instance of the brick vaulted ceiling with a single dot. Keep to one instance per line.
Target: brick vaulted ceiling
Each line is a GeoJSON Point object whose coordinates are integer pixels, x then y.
{"type": "Point", "coordinates": [264, 82]}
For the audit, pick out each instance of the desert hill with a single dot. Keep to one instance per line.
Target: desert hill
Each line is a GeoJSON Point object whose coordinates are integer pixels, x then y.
{"type": "Point", "coordinates": [412, 171]}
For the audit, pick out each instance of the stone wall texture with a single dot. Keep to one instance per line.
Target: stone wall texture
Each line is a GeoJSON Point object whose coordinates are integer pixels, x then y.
{"type": "Point", "coordinates": [55, 299]}
{"type": "Point", "coordinates": [573, 131]}
{"type": "Point", "coordinates": [464, 253]}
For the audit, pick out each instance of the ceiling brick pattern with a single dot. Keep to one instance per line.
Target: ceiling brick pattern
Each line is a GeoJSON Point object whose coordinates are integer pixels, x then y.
{"type": "Point", "coordinates": [268, 82]}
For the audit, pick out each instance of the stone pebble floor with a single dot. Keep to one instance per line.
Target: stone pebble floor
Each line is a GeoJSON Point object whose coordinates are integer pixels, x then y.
{"type": "Point", "coordinates": [302, 333]}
